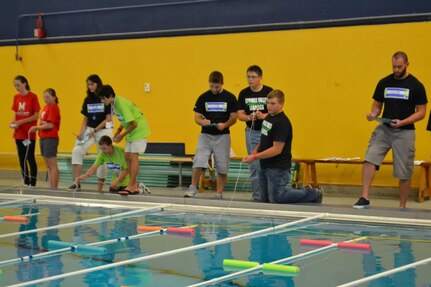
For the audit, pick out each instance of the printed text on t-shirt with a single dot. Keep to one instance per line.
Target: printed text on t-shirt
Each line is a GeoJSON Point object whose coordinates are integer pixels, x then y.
{"type": "Point", "coordinates": [256, 104]}
{"type": "Point", "coordinates": [266, 127]}
{"type": "Point", "coordinates": [216, 106]}
{"type": "Point", "coordinates": [397, 93]}
{"type": "Point", "coordinates": [96, 108]}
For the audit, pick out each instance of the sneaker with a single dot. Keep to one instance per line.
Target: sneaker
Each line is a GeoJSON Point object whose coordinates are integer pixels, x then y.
{"type": "Point", "coordinates": [362, 203]}
{"type": "Point", "coordinates": [75, 187]}
{"type": "Point", "coordinates": [191, 192]}
{"type": "Point", "coordinates": [319, 195]}
{"type": "Point", "coordinates": [143, 189]}
{"type": "Point", "coordinates": [218, 196]}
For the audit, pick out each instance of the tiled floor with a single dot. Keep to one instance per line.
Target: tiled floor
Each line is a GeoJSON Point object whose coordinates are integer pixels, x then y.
{"type": "Point", "coordinates": [334, 200]}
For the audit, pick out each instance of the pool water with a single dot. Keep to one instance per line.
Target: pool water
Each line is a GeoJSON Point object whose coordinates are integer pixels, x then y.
{"type": "Point", "coordinates": [392, 246]}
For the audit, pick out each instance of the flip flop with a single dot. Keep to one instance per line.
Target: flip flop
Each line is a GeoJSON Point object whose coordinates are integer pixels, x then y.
{"type": "Point", "coordinates": [127, 192]}
{"type": "Point", "coordinates": [116, 190]}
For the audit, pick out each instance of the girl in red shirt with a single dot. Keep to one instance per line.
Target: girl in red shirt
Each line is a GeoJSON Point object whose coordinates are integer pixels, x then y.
{"type": "Point", "coordinates": [48, 133]}
{"type": "Point", "coordinates": [26, 107]}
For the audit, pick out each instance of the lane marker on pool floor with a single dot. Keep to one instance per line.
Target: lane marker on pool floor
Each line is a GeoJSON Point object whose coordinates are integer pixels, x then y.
{"type": "Point", "coordinates": [254, 234]}
{"type": "Point", "coordinates": [93, 220]}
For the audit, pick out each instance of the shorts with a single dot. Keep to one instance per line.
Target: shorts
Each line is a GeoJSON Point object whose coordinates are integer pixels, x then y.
{"type": "Point", "coordinates": [137, 146]}
{"type": "Point", "coordinates": [402, 143]}
{"type": "Point", "coordinates": [219, 145]}
{"type": "Point", "coordinates": [48, 147]}
{"type": "Point", "coordinates": [81, 149]}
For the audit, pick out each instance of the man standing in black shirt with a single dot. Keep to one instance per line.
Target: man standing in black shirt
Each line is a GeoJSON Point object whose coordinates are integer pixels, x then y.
{"type": "Point", "coordinates": [404, 99]}
{"type": "Point", "coordinates": [274, 153]}
{"type": "Point", "coordinates": [252, 110]}
{"type": "Point", "coordinates": [215, 110]}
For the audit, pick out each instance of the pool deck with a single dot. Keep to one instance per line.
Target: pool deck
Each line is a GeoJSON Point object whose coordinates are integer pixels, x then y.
{"type": "Point", "coordinates": [336, 200]}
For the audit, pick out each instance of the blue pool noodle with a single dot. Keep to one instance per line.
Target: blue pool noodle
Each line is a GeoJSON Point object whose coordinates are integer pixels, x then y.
{"type": "Point", "coordinates": [80, 249]}
{"type": "Point", "coordinates": [91, 250]}
{"type": "Point", "coordinates": [55, 244]}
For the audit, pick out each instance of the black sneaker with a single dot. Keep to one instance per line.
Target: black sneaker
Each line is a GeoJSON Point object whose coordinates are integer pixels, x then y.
{"type": "Point", "coordinates": [75, 187]}
{"type": "Point", "coordinates": [319, 195]}
{"type": "Point", "coordinates": [362, 203]}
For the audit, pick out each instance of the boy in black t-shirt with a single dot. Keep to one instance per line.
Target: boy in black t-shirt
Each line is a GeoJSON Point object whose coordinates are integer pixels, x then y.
{"type": "Point", "coordinates": [215, 110]}
{"type": "Point", "coordinates": [252, 110]}
{"type": "Point", "coordinates": [405, 100]}
{"type": "Point", "coordinates": [274, 153]}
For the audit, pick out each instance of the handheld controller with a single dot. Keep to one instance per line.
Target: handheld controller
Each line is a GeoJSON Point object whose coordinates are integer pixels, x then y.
{"type": "Point", "coordinates": [210, 126]}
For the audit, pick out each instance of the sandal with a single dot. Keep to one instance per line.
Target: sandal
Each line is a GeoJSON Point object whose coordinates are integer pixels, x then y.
{"type": "Point", "coordinates": [127, 192]}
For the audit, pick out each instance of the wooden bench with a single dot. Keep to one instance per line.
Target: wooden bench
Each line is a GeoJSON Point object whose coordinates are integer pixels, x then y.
{"type": "Point", "coordinates": [168, 152]}
{"type": "Point", "coordinates": [180, 161]}
{"type": "Point", "coordinates": [309, 174]}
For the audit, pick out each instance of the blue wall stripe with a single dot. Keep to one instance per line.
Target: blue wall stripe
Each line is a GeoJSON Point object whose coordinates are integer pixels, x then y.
{"type": "Point", "coordinates": [195, 17]}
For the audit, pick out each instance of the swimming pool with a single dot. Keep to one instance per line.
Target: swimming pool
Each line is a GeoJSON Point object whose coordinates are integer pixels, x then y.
{"type": "Point", "coordinates": [184, 260]}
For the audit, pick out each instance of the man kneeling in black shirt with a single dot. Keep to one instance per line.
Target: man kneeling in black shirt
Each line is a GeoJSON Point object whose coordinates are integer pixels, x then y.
{"type": "Point", "coordinates": [274, 153]}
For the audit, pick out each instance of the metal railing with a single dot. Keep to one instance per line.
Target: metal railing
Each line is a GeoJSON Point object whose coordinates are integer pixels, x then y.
{"type": "Point", "coordinates": [71, 12]}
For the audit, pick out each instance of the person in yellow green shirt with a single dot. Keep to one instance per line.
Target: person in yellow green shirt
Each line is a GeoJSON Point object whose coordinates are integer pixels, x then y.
{"type": "Point", "coordinates": [115, 160]}
{"type": "Point", "coordinates": [134, 128]}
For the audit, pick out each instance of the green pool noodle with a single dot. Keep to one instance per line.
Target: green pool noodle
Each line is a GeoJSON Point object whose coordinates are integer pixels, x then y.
{"type": "Point", "coordinates": [279, 273]}
{"type": "Point", "coordinates": [239, 264]}
{"type": "Point", "coordinates": [279, 268]}
{"type": "Point", "coordinates": [232, 269]}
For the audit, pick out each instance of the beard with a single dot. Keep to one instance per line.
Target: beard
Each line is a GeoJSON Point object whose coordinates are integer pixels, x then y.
{"type": "Point", "coordinates": [400, 75]}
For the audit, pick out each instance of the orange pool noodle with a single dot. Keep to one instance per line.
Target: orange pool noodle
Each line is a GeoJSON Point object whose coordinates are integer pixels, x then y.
{"type": "Point", "coordinates": [145, 228]}
{"type": "Point", "coordinates": [180, 230]}
{"type": "Point", "coordinates": [21, 219]}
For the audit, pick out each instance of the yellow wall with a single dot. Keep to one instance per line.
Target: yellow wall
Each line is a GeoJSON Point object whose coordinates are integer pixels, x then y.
{"type": "Point", "coordinates": [328, 75]}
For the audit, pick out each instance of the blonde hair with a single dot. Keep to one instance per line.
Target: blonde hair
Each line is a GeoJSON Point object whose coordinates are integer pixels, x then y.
{"type": "Point", "coordinates": [278, 94]}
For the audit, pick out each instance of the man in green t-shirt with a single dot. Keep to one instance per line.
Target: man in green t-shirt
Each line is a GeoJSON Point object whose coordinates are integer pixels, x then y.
{"type": "Point", "coordinates": [136, 131]}
{"type": "Point", "coordinates": [115, 160]}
